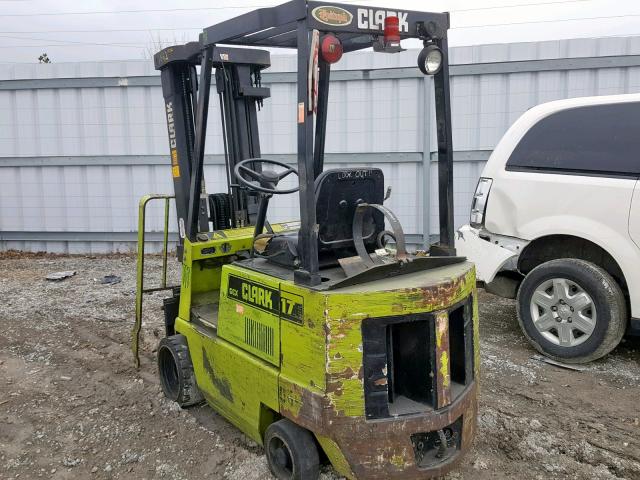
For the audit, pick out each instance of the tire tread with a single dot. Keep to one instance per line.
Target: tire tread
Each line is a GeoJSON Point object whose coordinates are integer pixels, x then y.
{"type": "Point", "coordinates": [302, 446]}
{"type": "Point", "coordinates": [189, 393]}
{"type": "Point", "coordinates": [614, 298]}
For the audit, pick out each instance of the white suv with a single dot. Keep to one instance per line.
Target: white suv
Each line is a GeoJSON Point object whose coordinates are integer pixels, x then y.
{"type": "Point", "coordinates": [555, 222]}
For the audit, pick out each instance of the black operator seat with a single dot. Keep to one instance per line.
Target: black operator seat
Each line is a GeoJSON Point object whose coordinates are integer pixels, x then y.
{"type": "Point", "coordinates": [337, 193]}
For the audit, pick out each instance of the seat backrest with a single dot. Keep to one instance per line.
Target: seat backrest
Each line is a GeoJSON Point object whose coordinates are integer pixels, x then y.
{"type": "Point", "coordinates": [338, 192]}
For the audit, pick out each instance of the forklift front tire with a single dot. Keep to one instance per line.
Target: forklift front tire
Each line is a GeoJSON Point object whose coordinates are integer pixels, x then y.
{"type": "Point", "coordinates": [176, 373]}
{"type": "Point", "coordinates": [291, 451]}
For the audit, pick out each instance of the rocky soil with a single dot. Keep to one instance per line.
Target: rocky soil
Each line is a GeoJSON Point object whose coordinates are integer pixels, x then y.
{"type": "Point", "coordinates": [73, 406]}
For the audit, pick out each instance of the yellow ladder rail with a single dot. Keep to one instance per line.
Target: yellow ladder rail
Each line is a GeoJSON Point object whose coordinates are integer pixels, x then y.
{"type": "Point", "coordinates": [140, 290]}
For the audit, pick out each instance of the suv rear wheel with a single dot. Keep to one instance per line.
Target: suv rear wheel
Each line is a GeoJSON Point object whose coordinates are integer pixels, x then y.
{"type": "Point", "coordinates": [571, 310]}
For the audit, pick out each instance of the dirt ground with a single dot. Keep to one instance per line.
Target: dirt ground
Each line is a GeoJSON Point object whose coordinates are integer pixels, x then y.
{"type": "Point", "coordinates": [73, 406]}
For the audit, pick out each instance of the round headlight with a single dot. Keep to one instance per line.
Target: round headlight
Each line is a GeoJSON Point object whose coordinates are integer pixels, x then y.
{"type": "Point", "coordinates": [430, 60]}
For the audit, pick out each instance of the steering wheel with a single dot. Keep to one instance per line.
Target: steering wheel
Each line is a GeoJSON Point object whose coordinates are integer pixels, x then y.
{"type": "Point", "coordinates": [267, 179]}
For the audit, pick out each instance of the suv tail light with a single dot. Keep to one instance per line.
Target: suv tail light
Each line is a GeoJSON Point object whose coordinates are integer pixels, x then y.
{"type": "Point", "coordinates": [479, 203]}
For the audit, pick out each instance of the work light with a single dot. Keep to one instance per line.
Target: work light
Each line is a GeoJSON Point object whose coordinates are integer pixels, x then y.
{"type": "Point", "coordinates": [430, 60]}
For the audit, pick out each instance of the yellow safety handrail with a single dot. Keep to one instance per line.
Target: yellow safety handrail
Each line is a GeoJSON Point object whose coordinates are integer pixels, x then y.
{"type": "Point", "coordinates": [140, 290]}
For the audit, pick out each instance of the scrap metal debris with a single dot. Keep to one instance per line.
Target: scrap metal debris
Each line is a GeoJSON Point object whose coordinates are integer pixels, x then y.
{"type": "Point", "coordinates": [59, 276]}
{"type": "Point", "coordinates": [577, 368]}
{"type": "Point", "coordinates": [110, 280]}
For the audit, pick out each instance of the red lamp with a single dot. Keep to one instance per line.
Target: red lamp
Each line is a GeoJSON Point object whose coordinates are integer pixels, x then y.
{"type": "Point", "coordinates": [331, 48]}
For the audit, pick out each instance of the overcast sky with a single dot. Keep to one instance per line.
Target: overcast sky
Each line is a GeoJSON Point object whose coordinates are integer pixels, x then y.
{"type": "Point", "coordinates": [70, 31]}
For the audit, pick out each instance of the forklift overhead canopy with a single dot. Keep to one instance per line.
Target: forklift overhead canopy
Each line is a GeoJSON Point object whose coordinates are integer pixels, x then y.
{"type": "Point", "coordinates": [321, 33]}
{"type": "Point", "coordinates": [355, 25]}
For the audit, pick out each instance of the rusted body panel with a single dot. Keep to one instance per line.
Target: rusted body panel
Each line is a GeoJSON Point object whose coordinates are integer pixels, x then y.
{"type": "Point", "coordinates": [381, 448]}
{"type": "Point", "coordinates": [443, 377]}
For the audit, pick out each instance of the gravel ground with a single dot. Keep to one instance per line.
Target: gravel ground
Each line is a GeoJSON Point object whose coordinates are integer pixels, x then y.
{"type": "Point", "coordinates": [73, 406]}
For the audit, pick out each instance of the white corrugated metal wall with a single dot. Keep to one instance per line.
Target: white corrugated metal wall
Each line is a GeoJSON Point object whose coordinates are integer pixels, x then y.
{"type": "Point", "coordinates": [81, 143]}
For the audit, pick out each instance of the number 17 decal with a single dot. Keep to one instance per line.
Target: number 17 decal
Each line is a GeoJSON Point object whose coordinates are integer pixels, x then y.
{"type": "Point", "coordinates": [292, 307]}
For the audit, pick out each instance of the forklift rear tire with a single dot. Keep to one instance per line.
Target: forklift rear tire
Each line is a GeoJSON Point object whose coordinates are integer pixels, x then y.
{"type": "Point", "coordinates": [175, 369]}
{"type": "Point", "coordinates": [291, 451]}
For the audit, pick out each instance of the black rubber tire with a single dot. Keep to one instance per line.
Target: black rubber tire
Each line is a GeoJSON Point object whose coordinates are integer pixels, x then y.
{"type": "Point", "coordinates": [302, 462]}
{"type": "Point", "coordinates": [610, 305]}
{"type": "Point", "coordinates": [175, 370]}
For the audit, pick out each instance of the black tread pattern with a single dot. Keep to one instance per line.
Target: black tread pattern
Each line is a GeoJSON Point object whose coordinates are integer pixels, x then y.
{"type": "Point", "coordinates": [609, 299]}
{"type": "Point", "coordinates": [301, 445]}
{"type": "Point", "coordinates": [188, 392]}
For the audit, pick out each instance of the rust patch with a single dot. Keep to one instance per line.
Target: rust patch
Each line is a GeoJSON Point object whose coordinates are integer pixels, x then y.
{"type": "Point", "coordinates": [469, 425]}
{"type": "Point", "coordinates": [382, 450]}
{"type": "Point", "coordinates": [397, 308]}
{"type": "Point", "coordinates": [347, 374]}
{"type": "Point", "coordinates": [434, 297]}
{"type": "Point", "coordinates": [302, 406]}
{"type": "Point", "coordinates": [443, 380]}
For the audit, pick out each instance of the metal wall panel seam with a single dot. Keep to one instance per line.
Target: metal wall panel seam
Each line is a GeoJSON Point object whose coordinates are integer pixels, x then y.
{"type": "Point", "coordinates": [211, 159]}
{"type": "Point", "coordinates": [486, 68]}
{"type": "Point", "coordinates": [214, 159]}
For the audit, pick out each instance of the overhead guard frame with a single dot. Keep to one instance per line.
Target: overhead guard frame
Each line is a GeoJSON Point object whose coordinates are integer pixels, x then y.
{"type": "Point", "coordinates": [290, 25]}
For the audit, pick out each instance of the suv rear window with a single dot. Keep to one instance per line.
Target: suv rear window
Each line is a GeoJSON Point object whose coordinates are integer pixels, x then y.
{"type": "Point", "coordinates": [602, 139]}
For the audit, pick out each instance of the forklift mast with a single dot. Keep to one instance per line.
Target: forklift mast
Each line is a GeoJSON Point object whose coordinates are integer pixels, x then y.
{"type": "Point", "coordinates": [238, 84]}
{"type": "Point", "coordinates": [241, 94]}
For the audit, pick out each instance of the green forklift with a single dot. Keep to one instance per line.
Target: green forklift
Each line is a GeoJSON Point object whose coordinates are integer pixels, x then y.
{"type": "Point", "coordinates": [322, 339]}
